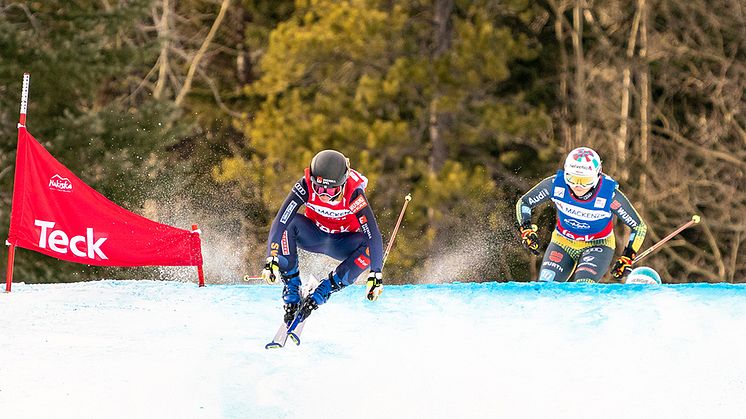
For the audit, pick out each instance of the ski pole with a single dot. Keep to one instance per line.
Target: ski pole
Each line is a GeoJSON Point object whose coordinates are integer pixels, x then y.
{"type": "Point", "coordinates": [396, 229]}
{"type": "Point", "coordinates": [371, 285]}
{"type": "Point", "coordinates": [695, 220]}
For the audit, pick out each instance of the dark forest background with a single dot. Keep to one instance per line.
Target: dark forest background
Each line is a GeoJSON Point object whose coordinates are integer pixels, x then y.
{"type": "Point", "coordinates": [208, 110]}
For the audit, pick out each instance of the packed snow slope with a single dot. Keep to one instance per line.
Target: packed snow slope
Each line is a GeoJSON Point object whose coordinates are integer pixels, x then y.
{"type": "Point", "coordinates": [145, 349]}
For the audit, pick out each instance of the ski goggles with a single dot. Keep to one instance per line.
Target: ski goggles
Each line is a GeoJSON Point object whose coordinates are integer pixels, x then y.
{"type": "Point", "coordinates": [329, 192]}
{"type": "Point", "coordinates": [582, 181]}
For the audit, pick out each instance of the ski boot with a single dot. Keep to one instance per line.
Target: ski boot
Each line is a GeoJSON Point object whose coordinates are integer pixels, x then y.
{"type": "Point", "coordinates": [290, 311]}
{"type": "Point", "coordinates": [308, 305]}
{"type": "Point", "coordinates": [291, 295]}
{"type": "Point", "coordinates": [324, 290]}
{"type": "Point", "coordinates": [317, 297]}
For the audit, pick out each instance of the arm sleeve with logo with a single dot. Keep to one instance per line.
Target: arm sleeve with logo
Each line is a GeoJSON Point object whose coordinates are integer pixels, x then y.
{"type": "Point", "coordinates": [539, 194]}
{"type": "Point", "coordinates": [369, 227]}
{"type": "Point", "coordinates": [627, 213]}
{"type": "Point", "coordinates": [297, 197]}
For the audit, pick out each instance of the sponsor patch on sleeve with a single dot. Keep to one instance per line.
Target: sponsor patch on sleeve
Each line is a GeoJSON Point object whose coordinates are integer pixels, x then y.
{"type": "Point", "coordinates": [285, 244]}
{"type": "Point", "coordinates": [362, 262]}
{"type": "Point", "coordinates": [274, 246]}
{"type": "Point", "coordinates": [358, 204]}
{"type": "Point", "coordinates": [299, 191]}
{"type": "Point", "coordinates": [288, 212]}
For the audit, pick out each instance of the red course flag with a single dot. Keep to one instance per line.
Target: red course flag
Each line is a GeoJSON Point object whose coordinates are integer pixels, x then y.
{"type": "Point", "coordinates": [55, 213]}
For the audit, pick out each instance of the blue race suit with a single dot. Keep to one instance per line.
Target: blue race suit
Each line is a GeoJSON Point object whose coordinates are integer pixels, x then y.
{"type": "Point", "coordinates": [346, 231]}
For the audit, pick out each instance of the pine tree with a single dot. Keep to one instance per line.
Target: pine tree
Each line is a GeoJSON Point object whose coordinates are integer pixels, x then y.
{"type": "Point", "coordinates": [369, 79]}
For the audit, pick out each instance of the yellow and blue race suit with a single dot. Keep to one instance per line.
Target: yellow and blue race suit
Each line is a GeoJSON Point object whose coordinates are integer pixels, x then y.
{"type": "Point", "coordinates": [582, 244]}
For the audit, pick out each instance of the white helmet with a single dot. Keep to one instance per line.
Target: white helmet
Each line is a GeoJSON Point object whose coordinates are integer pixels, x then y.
{"type": "Point", "coordinates": [582, 167]}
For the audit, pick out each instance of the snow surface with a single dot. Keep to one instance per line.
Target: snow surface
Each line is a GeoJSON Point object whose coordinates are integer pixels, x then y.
{"type": "Point", "coordinates": [150, 349]}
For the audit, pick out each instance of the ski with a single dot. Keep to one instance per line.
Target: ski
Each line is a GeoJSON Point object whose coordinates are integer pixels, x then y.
{"type": "Point", "coordinates": [294, 328]}
{"type": "Point", "coordinates": [295, 334]}
{"type": "Point", "coordinates": [280, 338]}
{"type": "Point", "coordinates": [293, 331]}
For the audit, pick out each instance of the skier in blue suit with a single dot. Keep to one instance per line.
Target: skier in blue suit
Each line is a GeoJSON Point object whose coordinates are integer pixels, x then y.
{"type": "Point", "coordinates": [338, 221]}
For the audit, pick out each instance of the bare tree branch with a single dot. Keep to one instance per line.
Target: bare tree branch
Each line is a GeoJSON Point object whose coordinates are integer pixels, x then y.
{"type": "Point", "coordinates": [201, 52]}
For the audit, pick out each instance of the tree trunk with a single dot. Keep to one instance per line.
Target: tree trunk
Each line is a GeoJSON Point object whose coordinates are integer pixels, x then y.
{"type": "Point", "coordinates": [164, 35]}
{"type": "Point", "coordinates": [622, 171]}
{"type": "Point", "coordinates": [439, 151]}
{"type": "Point", "coordinates": [244, 66]}
{"type": "Point", "coordinates": [577, 43]}
{"type": "Point", "coordinates": [441, 42]}
{"type": "Point", "coordinates": [734, 257]}
{"type": "Point", "coordinates": [644, 99]}
{"type": "Point", "coordinates": [559, 33]}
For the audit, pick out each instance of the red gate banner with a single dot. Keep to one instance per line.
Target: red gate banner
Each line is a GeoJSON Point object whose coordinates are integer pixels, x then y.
{"type": "Point", "coordinates": [56, 214]}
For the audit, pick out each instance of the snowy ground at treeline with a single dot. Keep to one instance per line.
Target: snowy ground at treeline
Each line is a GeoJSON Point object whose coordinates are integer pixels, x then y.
{"type": "Point", "coordinates": [151, 349]}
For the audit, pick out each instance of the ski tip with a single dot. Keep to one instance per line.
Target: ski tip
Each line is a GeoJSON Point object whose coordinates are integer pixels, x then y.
{"type": "Point", "coordinates": [273, 345]}
{"type": "Point", "coordinates": [295, 338]}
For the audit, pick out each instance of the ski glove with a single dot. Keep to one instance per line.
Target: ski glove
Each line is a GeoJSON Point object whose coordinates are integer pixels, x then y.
{"type": "Point", "coordinates": [623, 265]}
{"type": "Point", "coordinates": [271, 270]}
{"type": "Point", "coordinates": [530, 239]}
{"type": "Point", "coordinates": [374, 286]}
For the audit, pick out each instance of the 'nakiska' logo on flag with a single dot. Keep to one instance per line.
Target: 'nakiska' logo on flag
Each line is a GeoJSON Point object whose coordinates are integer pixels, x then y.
{"type": "Point", "coordinates": [61, 184]}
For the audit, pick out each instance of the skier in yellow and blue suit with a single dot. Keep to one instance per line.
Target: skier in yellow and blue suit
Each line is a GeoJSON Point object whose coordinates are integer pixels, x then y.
{"type": "Point", "coordinates": [582, 244]}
